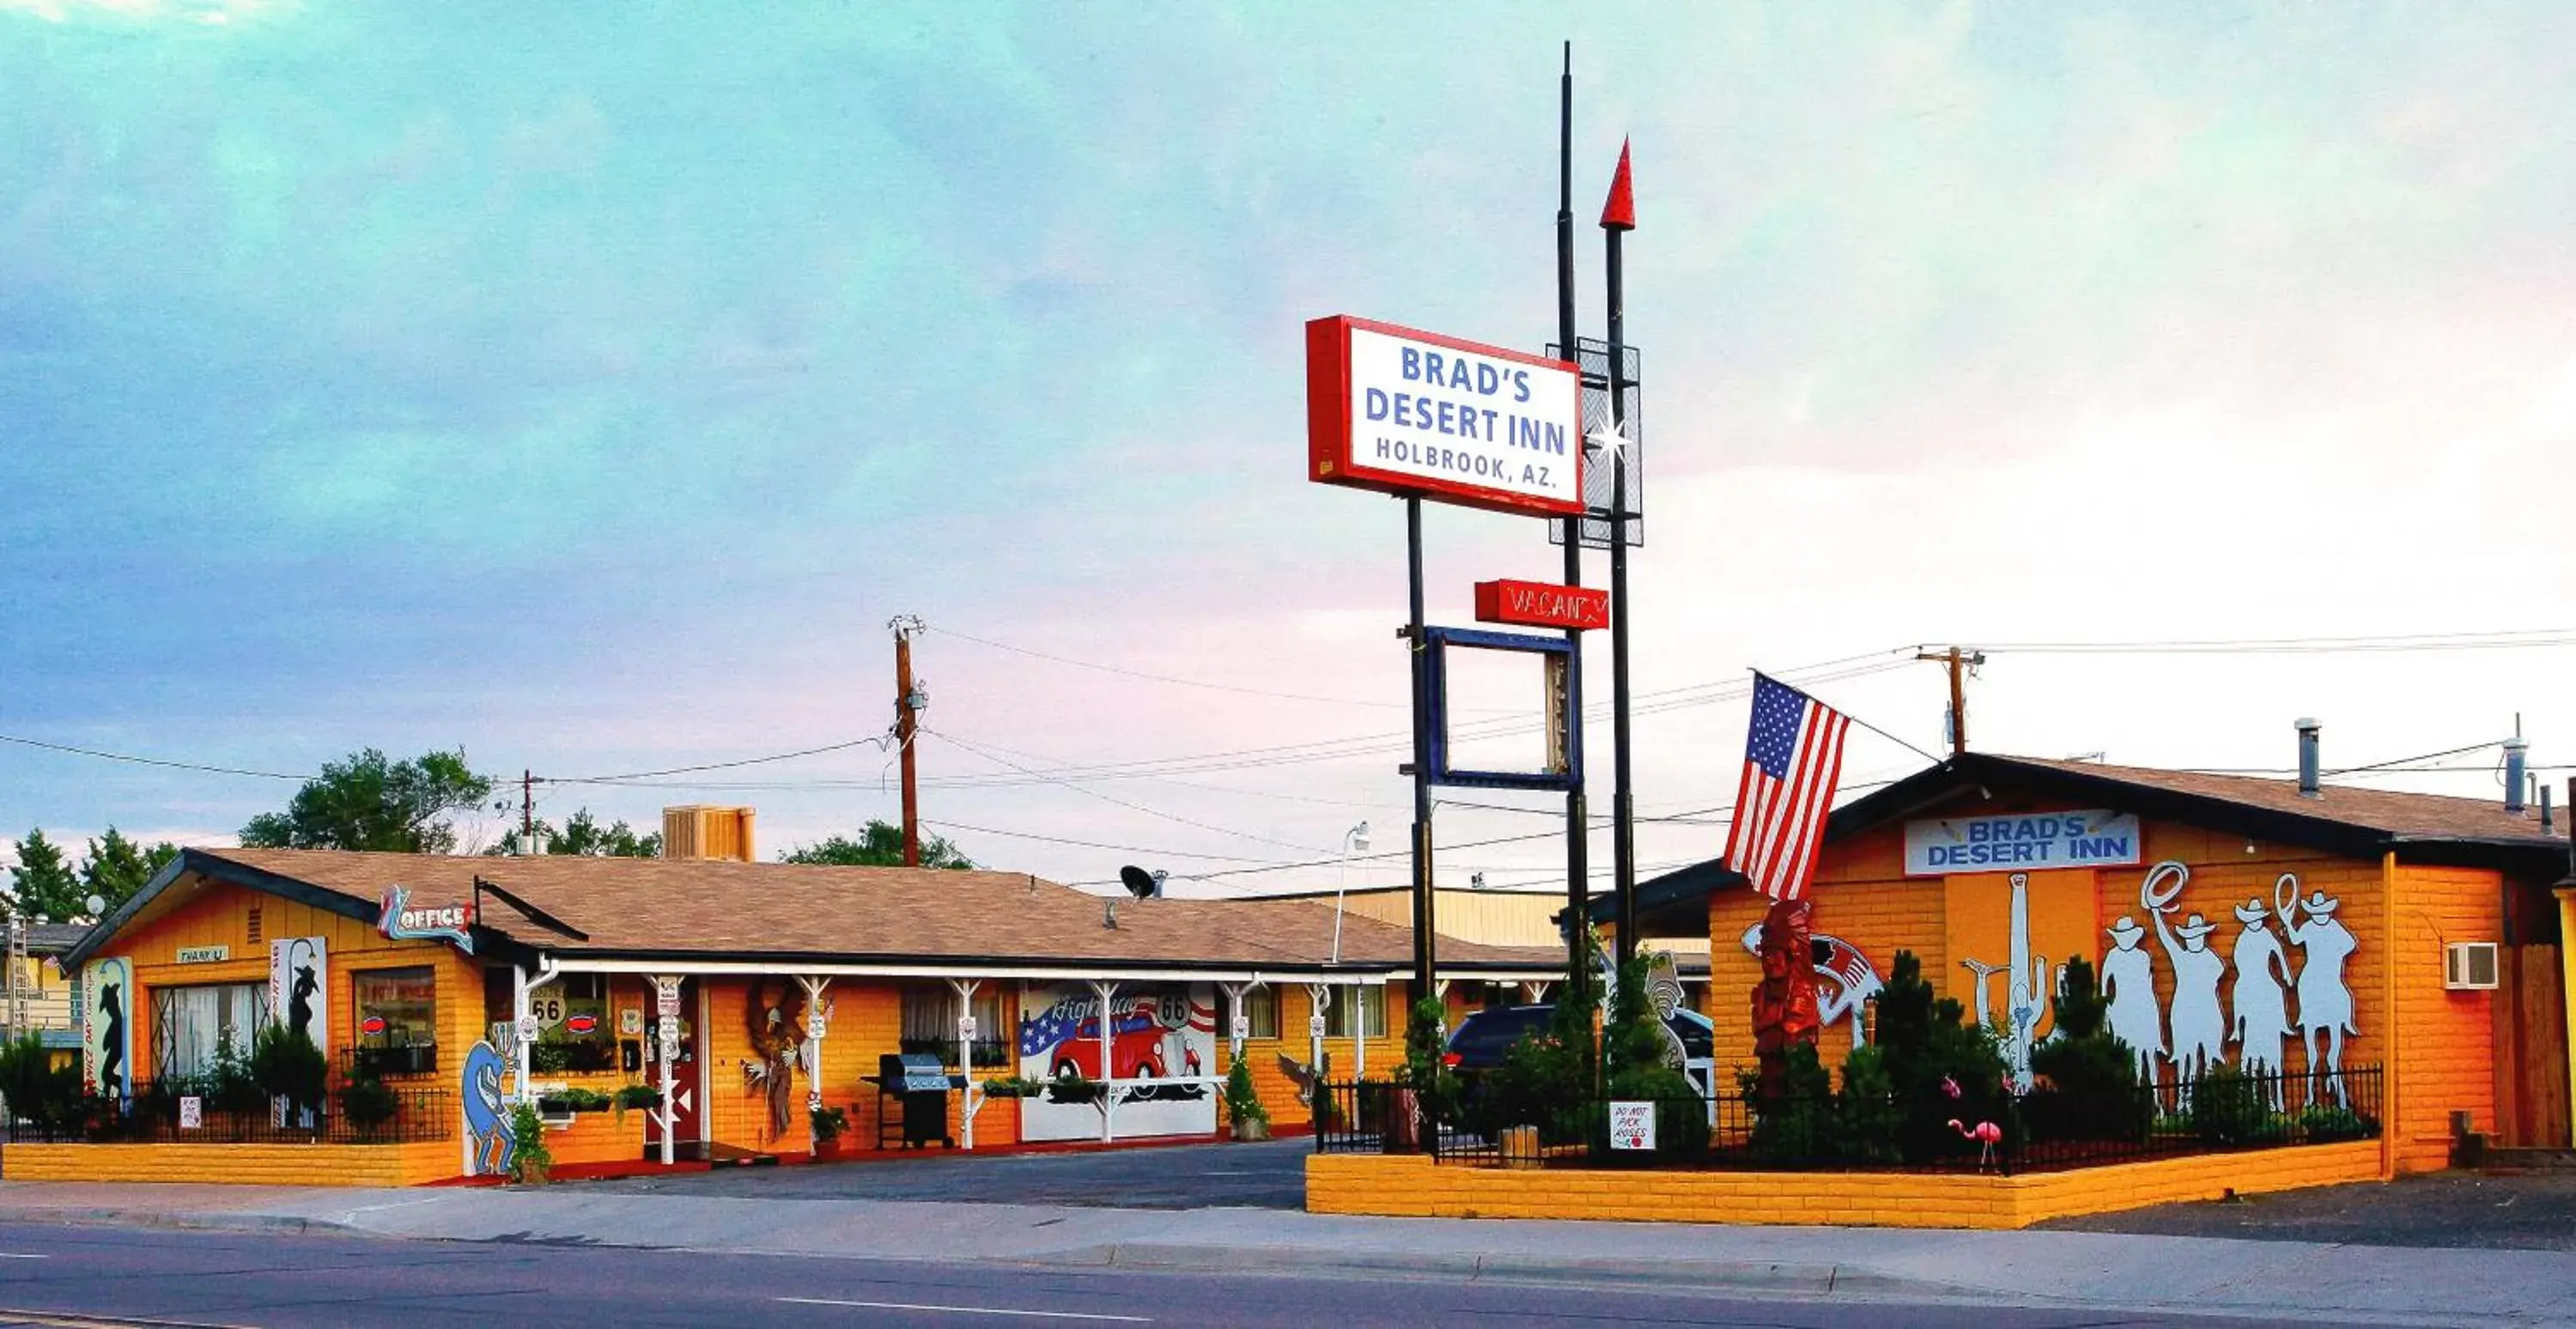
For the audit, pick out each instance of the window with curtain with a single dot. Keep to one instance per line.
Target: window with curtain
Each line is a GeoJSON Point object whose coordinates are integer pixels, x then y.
{"type": "Point", "coordinates": [192, 1026]}
{"type": "Point", "coordinates": [930, 1024]}
{"type": "Point", "coordinates": [1369, 1002]}
{"type": "Point", "coordinates": [1261, 1011]}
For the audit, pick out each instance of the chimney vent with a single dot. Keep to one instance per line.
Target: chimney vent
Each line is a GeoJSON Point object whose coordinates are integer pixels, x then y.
{"type": "Point", "coordinates": [1109, 915]}
{"type": "Point", "coordinates": [2517, 772]}
{"type": "Point", "coordinates": [2546, 822]}
{"type": "Point", "coordinates": [2308, 759]}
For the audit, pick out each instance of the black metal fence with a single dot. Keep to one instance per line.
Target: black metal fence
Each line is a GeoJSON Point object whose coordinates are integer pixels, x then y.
{"type": "Point", "coordinates": [158, 1116]}
{"type": "Point", "coordinates": [2043, 1129]}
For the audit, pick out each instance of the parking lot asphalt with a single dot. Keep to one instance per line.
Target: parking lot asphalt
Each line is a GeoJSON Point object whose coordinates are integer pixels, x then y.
{"type": "Point", "coordinates": [1269, 1175]}
{"type": "Point", "coordinates": [2534, 1211]}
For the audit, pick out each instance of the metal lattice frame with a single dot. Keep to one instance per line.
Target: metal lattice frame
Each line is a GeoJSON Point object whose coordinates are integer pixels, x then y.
{"type": "Point", "coordinates": [1596, 415]}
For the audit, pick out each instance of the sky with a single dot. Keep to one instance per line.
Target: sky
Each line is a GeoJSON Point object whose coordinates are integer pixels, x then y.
{"type": "Point", "coordinates": [589, 386]}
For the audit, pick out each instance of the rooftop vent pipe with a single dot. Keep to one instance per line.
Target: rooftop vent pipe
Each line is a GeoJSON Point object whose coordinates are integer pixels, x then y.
{"type": "Point", "coordinates": [2517, 772]}
{"type": "Point", "coordinates": [2546, 823]}
{"type": "Point", "coordinates": [2308, 759]}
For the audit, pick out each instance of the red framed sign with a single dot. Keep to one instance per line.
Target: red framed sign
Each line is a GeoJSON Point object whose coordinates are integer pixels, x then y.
{"type": "Point", "coordinates": [1409, 412]}
{"type": "Point", "coordinates": [1540, 604]}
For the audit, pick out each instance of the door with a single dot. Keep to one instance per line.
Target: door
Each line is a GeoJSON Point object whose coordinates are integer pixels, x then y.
{"type": "Point", "coordinates": [687, 1094]}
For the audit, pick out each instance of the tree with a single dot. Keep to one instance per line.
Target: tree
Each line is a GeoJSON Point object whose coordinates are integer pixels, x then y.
{"type": "Point", "coordinates": [118, 867]}
{"type": "Point", "coordinates": [371, 803]}
{"type": "Point", "coordinates": [584, 836]}
{"type": "Point", "coordinates": [46, 890]}
{"type": "Point", "coordinates": [879, 846]}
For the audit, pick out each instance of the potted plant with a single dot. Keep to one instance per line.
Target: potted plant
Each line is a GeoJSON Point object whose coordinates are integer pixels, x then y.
{"type": "Point", "coordinates": [1073, 1087]}
{"type": "Point", "coordinates": [531, 1163]}
{"type": "Point", "coordinates": [1014, 1086]}
{"type": "Point", "coordinates": [644, 1096]}
{"type": "Point", "coordinates": [829, 1123]}
{"type": "Point", "coordinates": [285, 1064]}
{"type": "Point", "coordinates": [1243, 1104]}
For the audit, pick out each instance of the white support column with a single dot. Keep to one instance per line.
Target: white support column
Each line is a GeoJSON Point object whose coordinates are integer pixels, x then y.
{"type": "Point", "coordinates": [970, 1100]}
{"type": "Point", "coordinates": [1235, 1021]}
{"type": "Point", "coordinates": [666, 1023]}
{"type": "Point", "coordinates": [818, 1021]}
{"type": "Point", "coordinates": [1107, 992]}
{"type": "Point", "coordinates": [1534, 991]}
{"type": "Point", "coordinates": [1359, 1029]}
{"type": "Point", "coordinates": [523, 1028]}
{"type": "Point", "coordinates": [1319, 998]}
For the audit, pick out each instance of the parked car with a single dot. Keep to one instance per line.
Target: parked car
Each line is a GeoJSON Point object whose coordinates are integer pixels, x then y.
{"type": "Point", "coordinates": [1480, 1040]}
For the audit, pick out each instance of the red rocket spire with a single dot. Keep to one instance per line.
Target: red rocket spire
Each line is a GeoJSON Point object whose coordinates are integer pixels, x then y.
{"type": "Point", "coordinates": [1620, 213]}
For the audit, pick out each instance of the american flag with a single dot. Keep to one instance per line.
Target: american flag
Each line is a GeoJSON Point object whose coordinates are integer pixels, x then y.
{"type": "Point", "coordinates": [1793, 756]}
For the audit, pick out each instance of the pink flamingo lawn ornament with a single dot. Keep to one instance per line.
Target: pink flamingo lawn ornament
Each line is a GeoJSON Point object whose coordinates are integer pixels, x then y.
{"type": "Point", "coordinates": [1986, 1134]}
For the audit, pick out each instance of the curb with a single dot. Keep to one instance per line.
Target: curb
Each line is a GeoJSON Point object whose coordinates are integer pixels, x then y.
{"type": "Point", "coordinates": [1733, 1275]}
{"type": "Point", "coordinates": [191, 1222]}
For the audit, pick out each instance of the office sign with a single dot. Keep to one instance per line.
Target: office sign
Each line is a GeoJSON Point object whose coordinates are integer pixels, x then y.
{"type": "Point", "coordinates": [1409, 412]}
{"type": "Point", "coordinates": [400, 919]}
{"type": "Point", "coordinates": [2024, 841]}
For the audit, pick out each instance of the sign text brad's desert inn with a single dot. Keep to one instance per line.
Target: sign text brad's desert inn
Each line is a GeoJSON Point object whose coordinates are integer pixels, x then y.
{"type": "Point", "coordinates": [1403, 411]}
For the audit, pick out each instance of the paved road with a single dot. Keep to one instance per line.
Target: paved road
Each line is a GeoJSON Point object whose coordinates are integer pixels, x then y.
{"type": "Point", "coordinates": [62, 1277]}
{"type": "Point", "coordinates": [2449, 1210]}
{"type": "Point", "coordinates": [1270, 1175]}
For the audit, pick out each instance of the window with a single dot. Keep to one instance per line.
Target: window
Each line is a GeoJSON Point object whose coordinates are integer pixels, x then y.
{"type": "Point", "coordinates": [397, 1020]}
{"type": "Point", "coordinates": [193, 1027]}
{"type": "Point", "coordinates": [573, 1026]}
{"type": "Point", "coordinates": [1261, 1011]}
{"type": "Point", "coordinates": [930, 1024]}
{"type": "Point", "coordinates": [1370, 1002]}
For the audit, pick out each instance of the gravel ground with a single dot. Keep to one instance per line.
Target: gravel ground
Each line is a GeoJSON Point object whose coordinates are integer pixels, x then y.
{"type": "Point", "coordinates": [2532, 1211]}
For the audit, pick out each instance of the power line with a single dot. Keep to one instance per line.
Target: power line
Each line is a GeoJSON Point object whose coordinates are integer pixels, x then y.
{"type": "Point", "coordinates": [2418, 641]}
{"type": "Point", "coordinates": [1165, 678]}
{"type": "Point", "coordinates": [878, 741]}
{"type": "Point", "coordinates": [148, 761]}
{"type": "Point", "coordinates": [1109, 798]}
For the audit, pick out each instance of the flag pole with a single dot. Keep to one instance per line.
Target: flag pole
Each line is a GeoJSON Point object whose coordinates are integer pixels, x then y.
{"type": "Point", "coordinates": [1578, 816]}
{"type": "Point", "coordinates": [1618, 217]}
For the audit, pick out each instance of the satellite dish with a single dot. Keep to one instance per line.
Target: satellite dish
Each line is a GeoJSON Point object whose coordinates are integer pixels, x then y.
{"type": "Point", "coordinates": [96, 905]}
{"type": "Point", "coordinates": [1140, 883]}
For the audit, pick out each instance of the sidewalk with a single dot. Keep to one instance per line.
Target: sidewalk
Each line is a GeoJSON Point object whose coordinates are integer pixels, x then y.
{"type": "Point", "coordinates": [2185, 1274]}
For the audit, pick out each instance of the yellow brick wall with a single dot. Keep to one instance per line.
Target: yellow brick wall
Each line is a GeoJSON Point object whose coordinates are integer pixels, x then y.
{"type": "Point", "coordinates": [1413, 1186]}
{"type": "Point", "coordinates": [1278, 1093]}
{"type": "Point", "coordinates": [237, 1164]}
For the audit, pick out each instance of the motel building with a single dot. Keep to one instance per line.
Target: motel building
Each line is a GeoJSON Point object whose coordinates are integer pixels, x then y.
{"type": "Point", "coordinates": [2409, 936]}
{"type": "Point", "coordinates": [740, 995]}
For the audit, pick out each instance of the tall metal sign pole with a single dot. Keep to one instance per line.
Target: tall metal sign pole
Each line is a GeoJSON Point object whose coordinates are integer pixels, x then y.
{"type": "Point", "coordinates": [1618, 217]}
{"type": "Point", "coordinates": [1578, 817]}
{"type": "Point", "coordinates": [1425, 981]}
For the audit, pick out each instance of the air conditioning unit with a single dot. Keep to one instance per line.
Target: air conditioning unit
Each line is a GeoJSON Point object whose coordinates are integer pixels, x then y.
{"type": "Point", "coordinates": [2469, 966]}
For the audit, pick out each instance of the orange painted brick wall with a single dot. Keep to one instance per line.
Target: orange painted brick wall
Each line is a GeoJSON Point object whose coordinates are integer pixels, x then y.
{"type": "Point", "coordinates": [2446, 1044]}
{"type": "Point", "coordinates": [1412, 1185]}
{"type": "Point", "coordinates": [1278, 1093]}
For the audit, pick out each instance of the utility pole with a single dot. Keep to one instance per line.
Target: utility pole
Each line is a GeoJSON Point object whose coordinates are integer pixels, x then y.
{"type": "Point", "coordinates": [1959, 662]}
{"type": "Point", "coordinates": [527, 811]}
{"type": "Point", "coordinates": [906, 720]}
{"type": "Point", "coordinates": [1578, 817]}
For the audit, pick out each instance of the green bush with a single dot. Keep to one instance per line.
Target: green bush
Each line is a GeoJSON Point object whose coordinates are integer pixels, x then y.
{"type": "Point", "coordinates": [1798, 1125]}
{"type": "Point", "coordinates": [367, 1104]}
{"type": "Point", "coordinates": [1242, 1101]}
{"type": "Point", "coordinates": [2228, 1109]}
{"type": "Point", "coordinates": [1943, 1068]}
{"type": "Point", "coordinates": [828, 1123]}
{"type": "Point", "coordinates": [1866, 1114]}
{"type": "Point", "coordinates": [227, 1083]}
{"type": "Point", "coordinates": [530, 1161]}
{"type": "Point", "coordinates": [574, 1100]}
{"type": "Point", "coordinates": [35, 1089]}
{"type": "Point", "coordinates": [1435, 1086]}
{"type": "Point", "coordinates": [2323, 1124]}
{"type": "Point", "coordinates": [284, 1064]}
{"type": "Point", "coordinates": [2092, 1090]}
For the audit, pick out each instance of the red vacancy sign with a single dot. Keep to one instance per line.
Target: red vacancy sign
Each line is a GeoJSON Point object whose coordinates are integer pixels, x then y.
{"type": "Point", "coordinates": [1540, 604]}
{"type": "Point", "coordinates": [1407, 412]}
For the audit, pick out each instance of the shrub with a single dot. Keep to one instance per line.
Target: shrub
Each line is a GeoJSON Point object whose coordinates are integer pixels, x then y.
{"type": "Point", "coordinates": [1798, 1124]}
{"type": "Point", "coordinates": [1242, 1101]}
{"type": "Point", "coordinates": [632, 1096]}
{"type": "Point", "coordinates": [2228, 1109]}
{"type": "Point", "coordinates": [2092, 1090]}
{"type": "Point", "coordinates": [367, 1104]}
{"type": "Point", "coordinates": [530, 1161]}
{"type": "Point", "coordinates": [34, 1088]}
{"type": "Point", "coordinates": [1866, 1115]}
{"type": "Point", "coordinates": [284, 1064]}
{"type": "Point", "coordinates": [2323, 1124]}
{"type": "Point", "coordinates": [1014, 1086]}
{"type": "Point", "coordinates": [573, 1100]}
{"type": "Point", "coordinates": [828, 1122]}
{"type": "Point", "coordinates": [1681, 1114]}
{"type": "Point", "coordinates": [1942, 1068]}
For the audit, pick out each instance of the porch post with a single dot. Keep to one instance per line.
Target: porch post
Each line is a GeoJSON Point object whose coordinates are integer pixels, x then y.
{"type": "Point", "coordinates": [970, 1100]}
{"type": "Point", "coordinates": [1106, 992]}
{"type": "Point", "coordinates": [1359, 1029]}
{"type": "Point", "coordinates": [666, 993]}
{"type": "Point", "coordinates": [523, 1030]}
{"type": "Point", "coordinates": [1234, 1021]}
{"type": "Point", "coordinates": [818, 1019]}
{"type": "Point", "coordinates": [1318, 998]}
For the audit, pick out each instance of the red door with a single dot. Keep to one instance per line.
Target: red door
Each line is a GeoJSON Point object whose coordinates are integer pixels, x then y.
{"type": "Point", "coordinates": [688, 1109]}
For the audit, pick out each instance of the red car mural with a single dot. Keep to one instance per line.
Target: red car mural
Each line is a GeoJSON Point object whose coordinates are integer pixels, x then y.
{"type": "Point", "coordinates": [1135, 1046]}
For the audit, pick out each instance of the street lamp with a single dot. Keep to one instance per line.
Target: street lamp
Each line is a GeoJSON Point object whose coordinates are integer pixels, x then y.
{"type": "Point", "coordinates": [1354, 841]}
